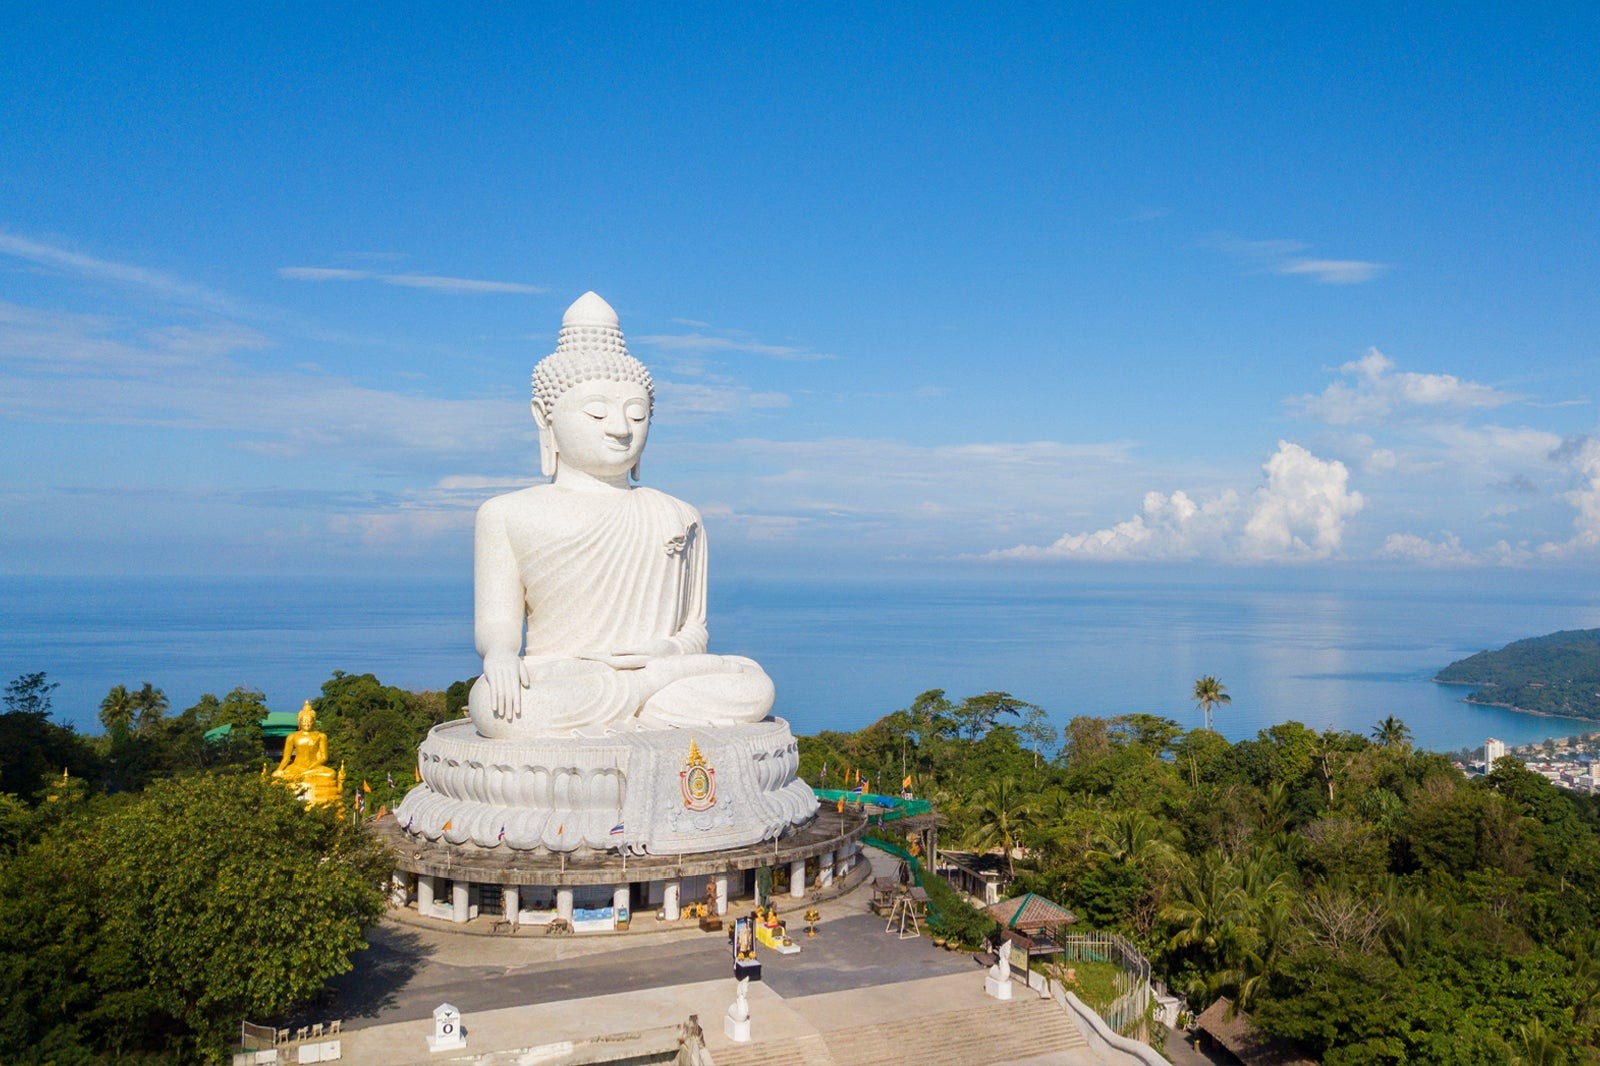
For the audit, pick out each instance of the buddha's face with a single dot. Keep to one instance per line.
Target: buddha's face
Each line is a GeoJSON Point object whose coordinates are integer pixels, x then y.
{"type": "Point", "coordinates": [600, 426]}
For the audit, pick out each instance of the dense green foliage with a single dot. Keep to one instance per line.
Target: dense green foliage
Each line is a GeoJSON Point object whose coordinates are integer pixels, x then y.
{"type": "Point", "coordinates": [155, 889]}
{"type": "Point", "coordinates": [1558, 673]}
{"type": "Point", "coordinates": [1360, 897]}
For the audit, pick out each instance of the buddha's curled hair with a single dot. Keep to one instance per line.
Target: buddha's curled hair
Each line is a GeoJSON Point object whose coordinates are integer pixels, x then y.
{"type": "Point", "coordinates": [587, 353]}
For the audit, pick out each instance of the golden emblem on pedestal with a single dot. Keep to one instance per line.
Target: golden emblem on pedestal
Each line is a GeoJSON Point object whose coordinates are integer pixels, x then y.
{"type": "Point", "coordinates": [698, 781]}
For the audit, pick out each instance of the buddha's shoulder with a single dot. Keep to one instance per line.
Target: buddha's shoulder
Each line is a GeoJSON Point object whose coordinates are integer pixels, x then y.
{"type": "Point", "coordinates": [531, 498]}
{"type": "Point", "coordinates": [655, 499]}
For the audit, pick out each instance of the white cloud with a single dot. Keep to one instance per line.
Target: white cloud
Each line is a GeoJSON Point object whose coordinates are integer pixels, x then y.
{"type": "Point", "coordinates": [1584, 455]}
{"type": "Point", "coordinates": [727, 340]}
{"type": "Point", "coordinates": [685, 401]}
{"type": "Point", "coordinates": [435, 282]}
{"type": "Point", "coordinates": [1298, 513]}
{"type": "Point", "coordinates": [1334, 271]}
{"type": "Point", "coordinates": [1411, 548]}
{"type": "Point", "coordinates": [92, 268]}
{"type": "Point", "coordinates": [1277, 256]}
{"type": "Point", "coordinates": [1374, 391]}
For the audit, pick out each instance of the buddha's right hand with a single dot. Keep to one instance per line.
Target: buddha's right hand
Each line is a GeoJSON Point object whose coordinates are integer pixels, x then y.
{"type": "Point", "coordinates": [506, 676]}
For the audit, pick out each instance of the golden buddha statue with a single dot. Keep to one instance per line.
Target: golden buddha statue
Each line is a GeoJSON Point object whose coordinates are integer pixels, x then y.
{"type": "Point", "coordinates": [305, 762]}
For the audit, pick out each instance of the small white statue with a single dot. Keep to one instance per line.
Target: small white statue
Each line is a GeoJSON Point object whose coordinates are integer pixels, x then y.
{"type": "Point", "coordinates": [1001, 970]}
{"type": "Point", "coordinates": [997, 981]}
{"type": "Point", "coordinates": [591, 592]}
{"type": "Point", "coordinates": [737, 1022]}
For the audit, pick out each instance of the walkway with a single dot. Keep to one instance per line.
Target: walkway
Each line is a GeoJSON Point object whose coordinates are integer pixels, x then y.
{"type": "Point", "coordinates": [854, 994]}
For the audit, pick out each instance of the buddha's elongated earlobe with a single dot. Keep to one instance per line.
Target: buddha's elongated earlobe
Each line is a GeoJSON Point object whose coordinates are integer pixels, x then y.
{"type": "Point", "coordinates": [549, 458]}
{"type": "Point", "coordinates": [634, 473]}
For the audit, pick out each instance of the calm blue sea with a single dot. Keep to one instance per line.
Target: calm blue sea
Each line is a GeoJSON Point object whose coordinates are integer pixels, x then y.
{"type": "Point", "coordinates": [842, 654]}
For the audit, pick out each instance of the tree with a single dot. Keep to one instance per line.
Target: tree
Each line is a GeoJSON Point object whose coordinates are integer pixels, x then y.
{"type": "Point", "coordinates": [158, 924]}
{"type": "Point", "coordinates": [1087, 739]}
{"type": "Point", "coordinates": [30, 694]}
{"type": "Point", "coordinates": [1209, 693]}
{"type": "Point", "coordinates": [998, 811]}
{"type": "Point", "coordinates": [1391, 732]}
{"type": "Point", "coordinates": [117, 710]}
{"type": "Point", "coordinates": [1039, 731]}
{"type": "Point", "coordinates": [150, 707]}
{"type": "Point", "coordinates": [1134, 838]}
{"type": "Point", "coordinates": [978, 714]}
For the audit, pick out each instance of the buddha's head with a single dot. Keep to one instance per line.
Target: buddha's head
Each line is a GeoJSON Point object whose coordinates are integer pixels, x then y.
{"type": "Point", "coordinates": [592, 400]}
{"type": "Point", "coordinates": [307, 720]}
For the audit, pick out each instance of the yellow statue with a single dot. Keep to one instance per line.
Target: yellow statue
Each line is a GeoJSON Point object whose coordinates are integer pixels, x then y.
{"type": "Point", "coordinates": [305, 757]}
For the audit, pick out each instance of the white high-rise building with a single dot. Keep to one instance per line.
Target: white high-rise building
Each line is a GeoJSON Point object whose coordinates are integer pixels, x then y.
{"type": "Point", "coordinates": [1492, 749]}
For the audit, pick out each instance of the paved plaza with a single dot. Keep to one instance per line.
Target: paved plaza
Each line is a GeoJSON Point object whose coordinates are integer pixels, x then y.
{"type": "Point", "coordinates": [839, 1000]}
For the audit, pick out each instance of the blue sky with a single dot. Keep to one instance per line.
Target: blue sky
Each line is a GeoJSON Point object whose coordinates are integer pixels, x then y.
{"type": "Point", "coordinates": [1004, 287]}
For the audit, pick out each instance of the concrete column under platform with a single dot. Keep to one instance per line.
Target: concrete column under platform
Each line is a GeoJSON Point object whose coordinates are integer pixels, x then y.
{"type": "Point", "coordinates": [619, 901]}
{"type": "Point", "coordinates": [459, 907]}
{"type": "Point", "coordinates": [825, 868]}
{"type": "Point", "coordinates": [399, 888]}
{"type": "Point", "coordinates": [564, 904]}
{"type": "Point", "coordinates": [797, 878]}
{"type": "Point", "coordinates": [511, 902]}
{"type": "Point", "coordinates": [425, 893]}
{"type": "Point", "coordinates": [721, 881]}
{"type": "Point", "coordinates": [669, 899]}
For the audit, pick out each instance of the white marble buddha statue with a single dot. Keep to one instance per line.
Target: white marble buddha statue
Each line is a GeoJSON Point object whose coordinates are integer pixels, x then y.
{"type": "Point", "coordinates": [591, 591]}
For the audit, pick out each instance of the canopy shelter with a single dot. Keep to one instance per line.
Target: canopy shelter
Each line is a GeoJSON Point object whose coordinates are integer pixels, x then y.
{"type": "Point", "coordinates": [1031, 922]}
{"type": "Point", "coordinates": [1234, 1031]}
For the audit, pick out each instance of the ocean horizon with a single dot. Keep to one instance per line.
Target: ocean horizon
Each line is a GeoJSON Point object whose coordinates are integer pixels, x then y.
{"type": "Point", "coordinates": [842, 653]}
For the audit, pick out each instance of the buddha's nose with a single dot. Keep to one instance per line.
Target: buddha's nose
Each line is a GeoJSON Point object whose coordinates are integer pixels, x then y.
{"type": "Point", "coordinates": [616, 425]}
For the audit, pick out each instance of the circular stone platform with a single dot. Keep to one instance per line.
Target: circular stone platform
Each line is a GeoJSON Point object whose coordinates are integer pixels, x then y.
{"type": "Point", "coordinates": [591, 891]}
{"type": "Point", "coordinates": [649, 792]}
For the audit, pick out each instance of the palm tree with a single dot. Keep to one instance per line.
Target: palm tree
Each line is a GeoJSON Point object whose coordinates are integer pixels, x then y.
{"type": "Point", "coordinates": [1391, 732]}
{"type": "Point", "coordinates": [1210, 915]}
{"type": "Point", "coordinates": [150, 704]}
{"type": "Point", "coordinates": [1134, 838]}
{"type": "Point", "coordinates": [116, 710]}
{"type": "Point", "coordinates": [1208, 693]}
{"type": "Point", "coordinates": [999, 811]}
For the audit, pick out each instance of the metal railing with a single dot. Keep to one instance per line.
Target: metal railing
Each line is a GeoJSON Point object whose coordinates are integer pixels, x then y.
{"type": "Point", "coordinates": [1129, 1012]}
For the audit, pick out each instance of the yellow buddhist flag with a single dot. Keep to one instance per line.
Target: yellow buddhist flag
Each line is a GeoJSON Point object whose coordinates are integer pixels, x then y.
{"type": "Point", "coordinates": [418, 772]}
{"type": "Point", "coordinates": [907, 782]}
{"type": "Point", "coordinates": [364, 786]}
{"type": "Point", "coordinates": [381, 812]}
{"type": "Point", "coordinates": [447, 826]}
{"type": "Point", "coordinates": [841, 804]}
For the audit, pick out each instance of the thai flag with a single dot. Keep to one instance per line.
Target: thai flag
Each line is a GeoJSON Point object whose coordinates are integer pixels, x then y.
{"type": "Point", "coordinates": [861, 787]}
{"type": "Point", "coordinates": [502, 833]}
{"type": "Point", "coordinates": [616, 830]}
{"type": "Point", "coordinates": [824, 777]}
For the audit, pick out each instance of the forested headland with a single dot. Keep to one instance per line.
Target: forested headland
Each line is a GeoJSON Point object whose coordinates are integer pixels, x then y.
{"type": "Point", "coordinates": [1360, 897]}
{"type": "Point", "coordinates": [1558, 673]}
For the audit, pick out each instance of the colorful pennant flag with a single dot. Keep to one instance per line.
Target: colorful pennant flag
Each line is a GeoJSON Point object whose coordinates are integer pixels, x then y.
{"type": "Point", "coordinates": [502, 835]}
{"type": "Point", "coordinates": [364, 786]}
{"type": "Point", "coordinates": [446, 827]}
{"type": "Point", "coordinates": [616, 830]}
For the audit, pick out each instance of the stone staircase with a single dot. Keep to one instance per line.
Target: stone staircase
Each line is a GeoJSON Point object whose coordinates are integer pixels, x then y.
{"type": "Point", "coordinates": [1020, 1029]}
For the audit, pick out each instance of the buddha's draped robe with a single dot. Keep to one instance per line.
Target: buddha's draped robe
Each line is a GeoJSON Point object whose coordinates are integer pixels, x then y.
{"type": "Point", "coordinates": [615, 580]}
{"type": "Point", "coordinates": [638, 570]}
